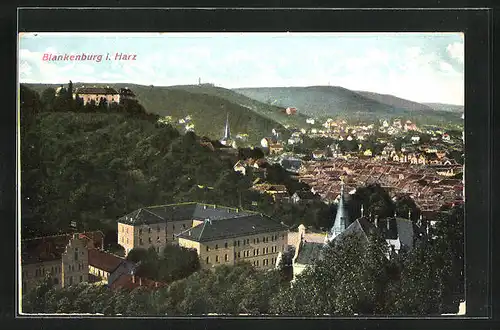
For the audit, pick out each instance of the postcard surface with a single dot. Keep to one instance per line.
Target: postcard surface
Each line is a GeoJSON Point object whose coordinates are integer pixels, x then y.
{"type": "Point", "coordinates": [259, 174]}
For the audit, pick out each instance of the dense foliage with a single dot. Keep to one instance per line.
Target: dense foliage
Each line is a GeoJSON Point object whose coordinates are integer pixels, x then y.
{"type": "Point", "coordinates": [226, 290]}
{"type": "Point", "coordinates": [174, 263]}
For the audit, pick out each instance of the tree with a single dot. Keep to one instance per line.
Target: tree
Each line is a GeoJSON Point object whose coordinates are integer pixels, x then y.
{"type": "Point", "coordinates": [47, 98]}
{"type": "Point", "coordinates": [177, 262]}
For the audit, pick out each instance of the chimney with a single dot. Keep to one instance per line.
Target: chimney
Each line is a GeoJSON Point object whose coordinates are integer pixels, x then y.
{"type": "Point", "coordinates": [133, 279]}
{"type": "Point", "coordinates": [156, 284]}
{"type": "Point", "coordinates": [140, 281]}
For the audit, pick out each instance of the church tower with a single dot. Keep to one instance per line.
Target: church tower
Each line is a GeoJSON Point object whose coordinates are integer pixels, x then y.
{"type": "Point", "coordinates": [341, 218]}
{"type": "Point", "coordinates": [226, 140]}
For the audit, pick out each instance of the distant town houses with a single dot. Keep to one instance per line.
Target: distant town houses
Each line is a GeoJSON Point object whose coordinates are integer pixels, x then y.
{"type": "Point", "coordinates": [430, 186]}
{"type": "Point", "coordinates": [291, 111]}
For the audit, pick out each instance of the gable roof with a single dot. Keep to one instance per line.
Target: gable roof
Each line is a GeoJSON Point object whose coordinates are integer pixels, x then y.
{"type": "Point", "coordinates": [105, 261]}
{"type": "Point", "coordinates": [50, 248]}
{"type": "Point", "coordinates": [231, 227]}
{"type": "Point", "coordinates": [179, 212]}
{"type": "Point", "coordinates": [96, 90]}
{"type": "Point", "coordinates": [309, 252]}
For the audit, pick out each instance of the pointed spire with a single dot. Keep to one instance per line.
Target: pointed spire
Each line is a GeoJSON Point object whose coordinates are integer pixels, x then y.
{"type": "Point", "coordinates": [341, 218]}
{"type": "Point", "coordinates": [227, 133]}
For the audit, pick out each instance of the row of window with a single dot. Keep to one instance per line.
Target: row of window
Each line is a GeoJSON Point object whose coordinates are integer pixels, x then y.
{"type": "Point", "coordinates": [41, 271]}
{"type": "Point", "coordinates": [265, 262]}
{"type": "Point", "coordinates": [71, 268]}
{"type": "Point", "coordinates": [217, 259]}
{"type": "Point", "coordinates": [70, 280]}
{"type": "Point", "coordinates": [256, 240]}
{"type": "Point", "coordinates": [150, 230]}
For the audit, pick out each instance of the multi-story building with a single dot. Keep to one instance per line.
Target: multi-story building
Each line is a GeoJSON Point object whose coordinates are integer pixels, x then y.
{"type": "Point", "coordinates": [96, 94]}
{"type": "Point", "coordinates": [223, 235]}
{"type": "Point", "coordinates": [64, 257]}
{"type": "Point", "coordinates": [252, 238]}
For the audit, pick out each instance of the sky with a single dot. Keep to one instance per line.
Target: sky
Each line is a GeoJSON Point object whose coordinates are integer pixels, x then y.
{"type": "Point", "coordinates": [421, 67]}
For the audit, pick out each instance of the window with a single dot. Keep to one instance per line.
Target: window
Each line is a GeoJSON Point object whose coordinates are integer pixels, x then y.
{"type": "Point", "coordinates": [126, 230]}
{"type": "Point", "coordinates": [257, 240]}
{"type": "Point", "coordinates": [273, 261]}
{"type": "Point", "coordinates": [234, 243]}
{"type": "Point", "coordinates": [225, 245]}
{"type": "Point", "coordinates": [158, 239]}
{"type": "Point", "coordinates": [264, 239]}
{"type": "Point", "coordinates": [217, 259]}
{"type": "Point", "coordinates": [140, 231]}
{"type": "Point", "coordinates": [122, 239]}
{"type": "Point", "coordinates": [216, 246]}
{"type": "Point", "coordinates": [254, 241]}
{"type": "Point", "coordinates": [173, 237]}
{"type": "Point", "coordinates": [282, 248]}
{"type": "Point", "coordinates": [257, 251]}
{"type": "Point", "coordinates": [282, 236]}
{"type": "Point", "coordinates": [127, 240]}
{"type": "Point", "coordinates": [235, 255]}
{"type": "Point", "coordinates": [183, 225]}
{"type": "Point", "coordinates": [226, 257]}
{"type": "Point", "coordinates": [272, 238]}
{"type": "Point", "coordinates": [208, 260]}
{"type": "Point", "coordinates": [70, 280]}
{"type": "Point", "coordinates": [254, 252]}
{"type": "Point", "coordinates": [157, 249]}
{"type": "Point", "coordinates": [149, 230]}
{"type": "Point", "coordinates": [256, 262]}
{"type": "Point", "coordinates": [208, 249]}
{"type": "Point", "coordinates": [140, 241]}
{"type": "Point", "coordinates": [150, 240]}
{"type": "Point", "coordinates": [81, 278]}
{"type": "Point", "coordinates": [173, 226]}
{"type": "Point", "coordinates": [158, 229]}
{"type": "Point", "coordinates": [76, 253]}
{"type": "Point", "coordinates": [239, 255]}
{"type": "Point", "coordinates": [122, 228]}
{"type": "Point", "coordinates": [238, 242]}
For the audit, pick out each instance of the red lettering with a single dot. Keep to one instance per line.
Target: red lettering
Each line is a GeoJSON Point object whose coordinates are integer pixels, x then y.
{"type": "Point", "coordinates": [118, 56]}
{"type": "Point", "coordinates": [45, 57]}
{"type": "Point", "coordinates": [66, 57]}
{"type": "Point", "coordinates": [72, 57]}
{"type": "Point", "coordinates": [135, 55]}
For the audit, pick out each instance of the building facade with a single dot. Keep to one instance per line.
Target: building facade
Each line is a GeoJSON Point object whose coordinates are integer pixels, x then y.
{"type": "Point", "coordinates": [220, 235]}
{"type": "Point", "coordinates": [63, 257]}
{"type": "Point", "coordinates": [253, 238]}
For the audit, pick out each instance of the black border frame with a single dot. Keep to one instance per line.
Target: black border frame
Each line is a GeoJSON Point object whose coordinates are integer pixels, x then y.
{"type": "Point", "coordinates": [477, 25]}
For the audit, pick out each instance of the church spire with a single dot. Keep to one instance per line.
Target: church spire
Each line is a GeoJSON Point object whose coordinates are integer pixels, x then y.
{"type": "Point", "coordinates": [227, 134]}
{"type": "Point", "coordinates": [341, 218]}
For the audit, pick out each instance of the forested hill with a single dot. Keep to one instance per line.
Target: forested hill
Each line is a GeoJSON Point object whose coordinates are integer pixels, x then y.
{"type": "Point", "coordinates": [332, 101]}
{"type": "Point", "coordinates": [208, 108]}
{"type": "Point", "coordinates": [94, 167]}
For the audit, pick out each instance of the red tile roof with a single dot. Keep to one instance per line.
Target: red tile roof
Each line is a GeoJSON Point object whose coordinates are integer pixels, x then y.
{"type": "Point", "coordinates": [131, 282]}
{"type": "Point", "coordinates": [104, 261]}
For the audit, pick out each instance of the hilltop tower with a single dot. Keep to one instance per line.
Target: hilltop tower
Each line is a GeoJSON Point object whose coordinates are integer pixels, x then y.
{"type": "Point", "coordinates": [226, 140]}
{"type": "Point", "coordinates": [341, 218]}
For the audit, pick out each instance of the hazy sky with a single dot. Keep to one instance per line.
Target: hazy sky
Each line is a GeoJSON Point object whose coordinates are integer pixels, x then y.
{"type": "Point", "coordinates": [423, 67]}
